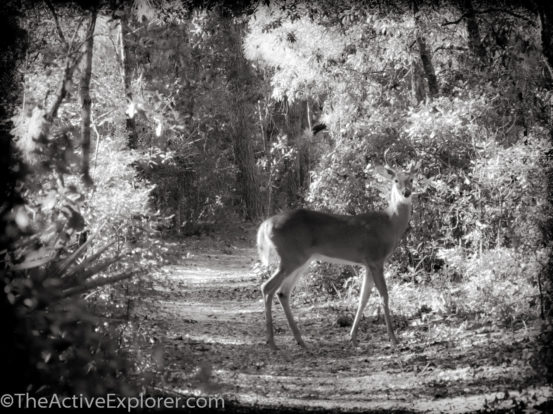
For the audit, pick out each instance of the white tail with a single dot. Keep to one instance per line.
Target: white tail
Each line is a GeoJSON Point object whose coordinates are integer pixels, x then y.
{"type": "Point", "coordinates": [264, 244]}
{"type": "Point", "coordinates": [299, 236]}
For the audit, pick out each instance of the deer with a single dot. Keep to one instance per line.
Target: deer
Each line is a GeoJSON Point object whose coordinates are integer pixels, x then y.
{"type": "Point", "coordinates": [298, 237]}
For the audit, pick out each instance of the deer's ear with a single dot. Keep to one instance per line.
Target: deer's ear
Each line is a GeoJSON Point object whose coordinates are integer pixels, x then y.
{"type": "Point", "coordinates": [414, 166]}
{"type": "Point", "coordinates": [384, 171]}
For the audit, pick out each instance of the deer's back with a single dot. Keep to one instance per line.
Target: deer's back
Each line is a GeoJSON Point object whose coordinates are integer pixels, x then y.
{"type": "Point", "coordinates": [351, 238]}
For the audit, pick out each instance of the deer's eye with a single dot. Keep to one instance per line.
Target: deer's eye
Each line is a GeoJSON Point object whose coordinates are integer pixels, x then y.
{"type": "Point", "coordinates": [396, 180]}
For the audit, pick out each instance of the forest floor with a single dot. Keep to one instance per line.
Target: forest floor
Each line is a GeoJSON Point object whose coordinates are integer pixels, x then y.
{"type": "Point", "coordinates": [204, 310]}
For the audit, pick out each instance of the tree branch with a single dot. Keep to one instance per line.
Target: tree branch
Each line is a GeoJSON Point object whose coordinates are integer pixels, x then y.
{"type": "Point", "coordinates": [459, 20]}
{"type": "Point", "coordinates": [486, 11]}
{"type": "Point", "coordinates": [68, 74]}
{"type": "Point", "coordinates": [80, 267]}
{"type": "Point", "coordinates": [78, 278]}
{"type": "Point", "coordinates": [81, 20]}
{"type": "Point", "coordinates": [96, 284]}
{"type": "Point", "coordinates": [60, 32]}
{"type": "Point", "coordinates": [459, 48]}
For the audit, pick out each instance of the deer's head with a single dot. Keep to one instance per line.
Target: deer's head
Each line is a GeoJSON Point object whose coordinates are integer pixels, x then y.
{"type": "Point", "coordinates": [402, 181]}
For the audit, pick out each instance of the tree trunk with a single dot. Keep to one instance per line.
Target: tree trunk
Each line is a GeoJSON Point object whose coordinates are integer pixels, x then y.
{"type": "Point", "coordinates": [130, 123]}
{"type": "Point", "coordinates": [424, 53]}
{"type": "Point", "coordinates": [428, 67]}
{"type": "Point", "coordinates": [14, 346]}
{"type": "Point", "coordinates": [243, 153]}
{"type": "Point", "coordinates": [239, 74]}
{"type": "Point", "coordinates": [295, 123]}
{"type": "Point", "coordinates": [473, 31]}
{"type": "Point", "coordinates": [86, 101]}
{"type": "Point", "coordinates": [545, 10]}
{"type": "Point", "coordinates": [417, 82]}
{"type": "Point", "coordinates": [546, 18]}
{"type": "Point", "coordinates": [181, 210]}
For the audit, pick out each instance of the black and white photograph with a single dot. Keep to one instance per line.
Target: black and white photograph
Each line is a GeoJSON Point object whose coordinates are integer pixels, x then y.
{"type": "Point", "coordinates": [277, 206]}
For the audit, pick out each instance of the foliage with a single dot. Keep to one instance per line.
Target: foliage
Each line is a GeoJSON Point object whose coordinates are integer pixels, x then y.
{"type": "Point", "coordinates": [512, 180]}
{"type": "Point", "coordinates": [482, 142]}
{"type": "Point", "coordinates": [69, 350]}
{"type": "Point", "coordinates": [189, 104]}
{"type": "Point", "coordinates": [544, 352]}
{"type": "Point", "coordinates": [279, 166]}
{"type": "Point", "coordinates": [209, 121]}
{"type": "Point", "coordinates": [332, 281]}
{"type": "Point", "coordinates": [276, 41]}
{"type": "Point", "coordinates": [66, 349]}
{"type": "Point", "coordinates": [63, 249]}
{"type": "Point", "coordinates": [119, 197]}
{"type": "Point", "coordinates": [500, 282]}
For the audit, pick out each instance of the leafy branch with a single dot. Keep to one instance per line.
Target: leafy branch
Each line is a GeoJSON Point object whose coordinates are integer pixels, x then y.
{"type": "Point", "coordinates": [488, 11]}
{"type": "Point", "coordinates": [58, 27]}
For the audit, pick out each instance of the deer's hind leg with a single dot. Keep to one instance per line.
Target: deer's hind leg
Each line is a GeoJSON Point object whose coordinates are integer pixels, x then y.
{"type": "Point", "coordinates": [284, 299]}
{"type": "Point", "coordinates": [284, 276]}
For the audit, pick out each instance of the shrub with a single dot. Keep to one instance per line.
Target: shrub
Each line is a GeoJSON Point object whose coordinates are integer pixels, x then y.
{"type": "Point", "coordinates": [499, 282]}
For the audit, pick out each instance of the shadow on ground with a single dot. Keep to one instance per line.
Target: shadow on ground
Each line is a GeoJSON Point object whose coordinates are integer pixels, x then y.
{"type": "Point", "coordinates": [207, 314]}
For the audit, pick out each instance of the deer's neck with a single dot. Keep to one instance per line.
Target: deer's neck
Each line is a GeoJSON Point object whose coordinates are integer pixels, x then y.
{"type": "Point", "coordinates": [399, 211]}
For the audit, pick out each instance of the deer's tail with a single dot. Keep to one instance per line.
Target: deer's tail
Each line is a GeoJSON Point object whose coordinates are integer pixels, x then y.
{"type": "Point", "coordinates": [265, 246]}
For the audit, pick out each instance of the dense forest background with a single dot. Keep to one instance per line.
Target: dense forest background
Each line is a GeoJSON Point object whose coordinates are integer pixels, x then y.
{"type": "Point", "coordinates": [130, 124]}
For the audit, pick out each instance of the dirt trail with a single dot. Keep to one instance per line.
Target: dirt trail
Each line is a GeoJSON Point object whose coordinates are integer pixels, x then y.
{"type": "Point", "coordinates": [207, 314]}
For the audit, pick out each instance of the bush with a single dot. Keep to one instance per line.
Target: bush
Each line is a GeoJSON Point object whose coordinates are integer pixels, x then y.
{"type": "Point", "coordinates": [69, 349]}
{"type": "Point", "coordinates": [120, 200]}
{"type": "Point", "coordinates": [500, 282]}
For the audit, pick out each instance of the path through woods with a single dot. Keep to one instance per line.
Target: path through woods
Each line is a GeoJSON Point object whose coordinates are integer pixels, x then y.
{"type": "Point", "coordinates": [206, 315]}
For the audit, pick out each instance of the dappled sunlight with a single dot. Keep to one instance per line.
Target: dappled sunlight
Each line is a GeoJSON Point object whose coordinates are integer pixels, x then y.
{"type": "Point", "coordinates": [336, 206]}
{"type": "Point", "coordinates": [451, 359]}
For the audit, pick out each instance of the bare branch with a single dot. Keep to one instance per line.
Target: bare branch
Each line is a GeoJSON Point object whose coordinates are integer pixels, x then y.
{"type": "Point", "coordinates": [459, 20]}
{"type": "Point", "coordinates": [491, 10]}
{"type": "Point", "coordinates": [459, 48]}
{"type": "Point", "coordinates": [96, 284]}
{"type": "Point", "coordinates": [546, 63]}
{"type": "Point", "coordinates": [78, 278]}
{"type": "Point", "coordinates": [511, 13]}
{"type": "Point", "coordinates": [81, 20]}
{"type": "Point", "coordinates": [72, 59]}
{"type": "Point", "coordinates": [64, 265]}
{"type": "Point", "coordinates": [60, 32]}
{"type": "Point", "coordinates": [88, 260]}
{"type": "Point", "coordinates": [68, 74]}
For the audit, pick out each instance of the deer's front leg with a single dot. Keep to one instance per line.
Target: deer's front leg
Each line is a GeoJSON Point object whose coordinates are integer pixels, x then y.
{"type": "Point", "coordinates": [378, 273]}
{"type": "Point", "coordinates": [366, 288]}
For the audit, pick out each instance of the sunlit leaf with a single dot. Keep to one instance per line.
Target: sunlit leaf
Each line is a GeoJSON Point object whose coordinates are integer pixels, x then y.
{"type": "Point", "coordinates": [22, 218]}
{"type": "Point", "coordinates": [49, 201]}
{"type": "Point", "coordinates": [36, 258]}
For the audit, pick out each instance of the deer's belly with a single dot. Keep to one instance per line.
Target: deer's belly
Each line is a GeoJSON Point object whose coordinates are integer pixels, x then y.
{"type": "Point", "coordinates": [335, 260]}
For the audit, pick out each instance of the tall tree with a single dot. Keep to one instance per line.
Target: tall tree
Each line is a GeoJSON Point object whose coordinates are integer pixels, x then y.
{"type": "Point", "coordinates": [296, 122]}
{"type": "Point", "coordinates": [239, 75]}
{"type": "Point", "coordinates": [86, 101]}
{"type": "Point", "coordinates": [417, 81]}
{"type": "Point", "coordinates": [73, 57]}
{"type": "Point", "coordinates": [424, 52]}
{"type": "Point", "coordinates": [125, 64]}
{"type": "Point", "coordinates": [13, 48]}
{"type": "Point", "coordinates": [545, 10]}
{"type": "Point", "coordinates": [473, 31]}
